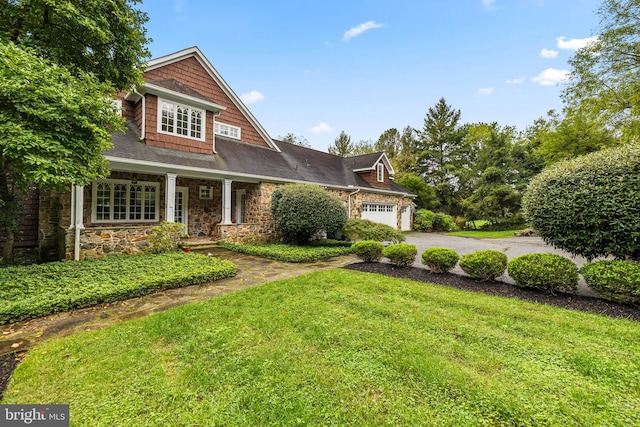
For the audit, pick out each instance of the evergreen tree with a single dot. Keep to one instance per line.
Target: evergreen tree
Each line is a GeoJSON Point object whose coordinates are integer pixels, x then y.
{"type": "Point", "coordinates": [342, 145]}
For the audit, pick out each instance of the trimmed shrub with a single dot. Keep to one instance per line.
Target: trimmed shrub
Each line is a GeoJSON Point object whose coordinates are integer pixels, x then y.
{"type": "Point", "coordinates": [440, 260]}
{"type": "Point", "coordinates": [301, 211]}
{"type": "Point", "coordinates": [166, 236]}
{"type": "Point", "coordinates": [401, 254]}
{"type": "Point", "coordinates": [615, 280]}
{"type": "Point", "coordinates": [364, 229]}
{"type": "Point", "coordinates": [423, 220]}
{"type": "Point", "coordinates": [549, 272]}
{"type": "Point", "coordinates": [484, 265]}
{"type": "Point", "coordinates": [368, 250]}
{"type": "Point", "coordinates": [588, 206]}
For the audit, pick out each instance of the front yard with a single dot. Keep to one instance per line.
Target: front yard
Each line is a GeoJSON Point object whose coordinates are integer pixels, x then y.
{"type": "Point", "coordinates": [344, 348]}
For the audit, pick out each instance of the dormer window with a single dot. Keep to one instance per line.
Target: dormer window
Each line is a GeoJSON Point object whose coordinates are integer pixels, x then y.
{"type": "Point", "coordinates": [226, 130]}
{"type": "Point", "coordinates": [181, 120]}
{"type": "Point", "coordinates": [380, 169]}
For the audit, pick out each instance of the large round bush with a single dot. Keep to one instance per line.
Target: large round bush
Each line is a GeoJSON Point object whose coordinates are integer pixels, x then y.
{"type": "Point", "coordinates": [484, 265]}
{"type": "Point", "coordinates": [440, 260]}
{"type": "Point", "coordinates": [549, 272]}
{"type": "Point", "coordinates": [303, 210]}
{"type": "Point", "coordinates": [590, 205]}
{"type": "Point", "coordinates": [614, 280]}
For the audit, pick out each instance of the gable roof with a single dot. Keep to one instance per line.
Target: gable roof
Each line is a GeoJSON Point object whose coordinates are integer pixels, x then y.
{"type": "Point", "coordinates": [367, 162]}
{"type": "Point", "coordinates": [235, 160]}
{"type": "Point", "coordinates": [198, 55]}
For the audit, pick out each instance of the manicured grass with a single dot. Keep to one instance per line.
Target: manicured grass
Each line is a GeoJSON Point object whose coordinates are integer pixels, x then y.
{"type": "Point", "coordinates": [32, 291]}
{"type": "Point", "coordinates": [289, 253]}
{"type": "Point", "coordinates": [343, 348]}
{"type": "Point", "coordinates": [484, 234]}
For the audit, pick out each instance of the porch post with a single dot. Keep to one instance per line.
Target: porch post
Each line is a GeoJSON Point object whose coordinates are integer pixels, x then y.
{"type": "Point", "coordinates": [78, 198]}
{"type": "Point", "coordinates": [170, 198]}
{"type": "Point", "coordinates": [226, 201]}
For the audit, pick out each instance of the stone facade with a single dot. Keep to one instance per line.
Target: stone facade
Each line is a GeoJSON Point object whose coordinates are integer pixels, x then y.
{"type": "Point", "coordinates": [367, 197]}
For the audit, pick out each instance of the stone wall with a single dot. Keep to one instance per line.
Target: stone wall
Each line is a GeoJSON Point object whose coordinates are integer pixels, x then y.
{"type": "Point", "coordinates": [98, 242]}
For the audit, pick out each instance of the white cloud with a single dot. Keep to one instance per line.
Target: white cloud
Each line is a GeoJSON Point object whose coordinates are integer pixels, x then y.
{"type": "Point", "coordinates": [574, 44]}
{"type": "Point", "coordinates": [356, 31]}
{"type": "Point", "coordinates": [515, 81]}
{"type": "Point", "coordinates": [551, 77]}
{"type": "Point", "coordinates": [488, 3]}
{"type": "Point", "coordinates": [485, 91]}
{"type": "Point", "coordinates": [549, 53]}
{"type": "Point", "coordinates": [251, 97]}
{"type": "Point", "coordinates": [321, 128]}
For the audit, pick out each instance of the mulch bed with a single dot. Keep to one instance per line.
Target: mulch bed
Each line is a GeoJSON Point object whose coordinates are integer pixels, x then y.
{"type": "Point", "coordinates": [9, 362]}
{"type": "Point", "coordinates": [574, 302]}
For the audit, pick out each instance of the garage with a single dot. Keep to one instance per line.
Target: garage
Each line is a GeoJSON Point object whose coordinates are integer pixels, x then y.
{"type": "Point", "coordinates": [382, 213]}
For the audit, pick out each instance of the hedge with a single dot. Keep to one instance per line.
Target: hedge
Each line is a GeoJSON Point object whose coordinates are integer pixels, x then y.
{"type": "Point", "coordinates": [32, 291]}
{"type": "Point", "coordinates": [289, 253]}
{"type": "Point", "coordinates": [364, 229]}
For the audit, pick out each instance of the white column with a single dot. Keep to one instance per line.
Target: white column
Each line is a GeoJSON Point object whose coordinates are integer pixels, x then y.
{"type": "Point", "coordinates": [226, 201]}
{"type": "Point", "coordinates": [170, 198]}
{"type": "Point", "coordinates": [78, 198]}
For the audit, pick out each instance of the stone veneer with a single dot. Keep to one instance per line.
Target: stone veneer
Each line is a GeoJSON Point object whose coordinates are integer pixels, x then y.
{"type": "Point", "coordinates": [364, 196]}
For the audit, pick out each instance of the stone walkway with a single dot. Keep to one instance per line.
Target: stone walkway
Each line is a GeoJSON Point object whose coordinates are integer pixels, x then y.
{"type": "Point", "coordinates": [251, 271]}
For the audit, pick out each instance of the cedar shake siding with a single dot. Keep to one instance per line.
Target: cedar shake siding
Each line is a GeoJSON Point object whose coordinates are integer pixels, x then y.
{"type": "Point", "coordinates": [190, 72]}
{"type": "Point", "coordinates": [371, 178]}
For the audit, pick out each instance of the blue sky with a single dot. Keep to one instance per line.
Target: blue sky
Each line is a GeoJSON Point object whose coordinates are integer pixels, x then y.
{"type": "Point", "coordinates": [317, 68]}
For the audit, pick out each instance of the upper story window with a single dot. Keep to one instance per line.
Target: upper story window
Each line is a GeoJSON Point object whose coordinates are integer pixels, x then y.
{"type": "Point", "coordinates": [123, 201]}
{"type": "Point", "coordinates": [380, 169]}
{"type": "Point", "coordinates": [226, 130]}
{"type": "Point", "coordinates": [181, 120]}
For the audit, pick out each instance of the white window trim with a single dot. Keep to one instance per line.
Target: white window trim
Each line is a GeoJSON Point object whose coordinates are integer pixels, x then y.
{"type": "Point", "coordinates": [203, 114]}
{"type": "Point", "coordinates": [94, 200]}
{"type": "Point", "coordinates": [380, 172]}
{"type": "Point", "coordinates": [230, 127]}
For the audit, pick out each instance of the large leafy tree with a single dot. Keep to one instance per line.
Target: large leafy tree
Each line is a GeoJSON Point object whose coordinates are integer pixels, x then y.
{"type": "Point", "coordinates": [439, 150]}
{"type": "Point", "coordinates": [389, 143]}
{"type": "Point", "coordinates": [425, 195]}
{"type": "Point", "coordinates": [60, 64]}
{"type": "Point", "coordinates": [342, 145]}
{"type": "Point", "coordinates": [605, 74]}
{"type": "Point", "coordinates": [406, 159]}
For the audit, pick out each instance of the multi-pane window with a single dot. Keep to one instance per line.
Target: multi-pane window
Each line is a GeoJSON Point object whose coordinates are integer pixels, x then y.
{"type": "Point", "coordinates": [181, 120]}
{"type": "Point", "coordinates": [380, 172]}
{"type": "Point", "coordinates": [226, 130]}
{"type": "Point", "coordinates": [115, 200]}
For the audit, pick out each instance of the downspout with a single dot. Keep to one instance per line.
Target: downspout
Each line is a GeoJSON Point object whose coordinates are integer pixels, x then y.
{"type": "Point", "coordinates": [349, 201]}
{"type": "Point", "coordinates": [143, 125]}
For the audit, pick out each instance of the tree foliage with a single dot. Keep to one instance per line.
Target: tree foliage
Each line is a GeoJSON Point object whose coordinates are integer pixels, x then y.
{"type": "Point", "coordinates": [301, 211]}
{"type": "Point", "coordinates": [389, 143]}
{"type": "Point", "coordinates": [426, 195]}
{"type": "Point", "coordinates": [364, 146]}
{"type": "Point", "coordinates": [406, 159]}
{"type": "Point", "coordinates": [295, 140]}
{"type": "Point", "coordinates": [604, 77]}
{"type": "Point", "coordinates": [342, 145]}
{"type": "Point", "coordinates": [590, 205]}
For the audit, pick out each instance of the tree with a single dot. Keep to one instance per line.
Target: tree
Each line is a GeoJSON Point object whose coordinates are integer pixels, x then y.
{"type": "Point", "coordinates": [406, 160]}
{"type": "Point", "coordinates": [60, 64]}
{"type": "Point", "coordinates": [426, 196]}
{"type": "Point", "coordinates": [301, 211]}
{"type": "Point", "coordinates": [389, 143]}
{"type": "Point", "coordinates": [295, 139]}
{"type": "Point", "coordinates": [342, 145]}
{"type": "Point", "coordinates": [604, 77]}
{"type": "Point", "coordinates": [361, 147]}
{"type": "Point", "coordinates": [438, 149]}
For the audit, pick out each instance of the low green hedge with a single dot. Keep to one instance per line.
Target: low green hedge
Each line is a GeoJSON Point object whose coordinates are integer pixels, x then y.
{"type": "Point", "coordinates": [615, 280]}
{"type": "Point", "coordinates": [484, 264]}
{"type": "Point", "coordinates": [368, 250]}
{"type": "Point", "coordinates": [288, 253]}
{"type": "Point", "coordinates": [364, 229]}
{"type": "Point", "coordinates": [400, 254]}
{"type": "Point", "coordinates": [440, 260]}
{"type": "Point", "coordinates": [549, 272]}
{"type": "Point", "coordinates": [28, 292]}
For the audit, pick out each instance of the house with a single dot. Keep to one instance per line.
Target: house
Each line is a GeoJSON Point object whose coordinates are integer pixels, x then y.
{"type": "Point", "coordinates": [194, 154]}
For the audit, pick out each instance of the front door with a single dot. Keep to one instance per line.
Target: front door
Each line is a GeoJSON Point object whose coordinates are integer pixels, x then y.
{"type": "Point", "coordinates": [182, 208]}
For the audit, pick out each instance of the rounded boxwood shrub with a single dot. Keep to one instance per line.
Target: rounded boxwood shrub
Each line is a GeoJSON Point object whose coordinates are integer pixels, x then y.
{"type": "Point", "coordinates": [364, 229]}
{"type": "Point", "coordinates": [401, 254]}
{"type": "Point", "coordinates": [301, 211]}
{"type": "Point", "coordinates": [368, 250]}
{"type": "Point", "coordinates": [440, 260]}
{"type": "Point", "coordinates": [549, 272]}
{"type": "Point", "coordinates": [615, 280]}
{"type": "Point", "coordinates": [484, 265]}
{"type": "Point", "coordinates": [588, 206]}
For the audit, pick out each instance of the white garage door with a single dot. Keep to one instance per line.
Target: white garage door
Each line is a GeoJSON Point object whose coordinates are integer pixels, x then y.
{"type": "Point", "coordinates": [384, 214]}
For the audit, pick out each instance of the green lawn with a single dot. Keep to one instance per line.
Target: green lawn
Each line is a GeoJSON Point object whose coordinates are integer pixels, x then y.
{"type": "Point", "coordinates": [484, 234]}
{"type": "Point", "coordinates": [342, 348]}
